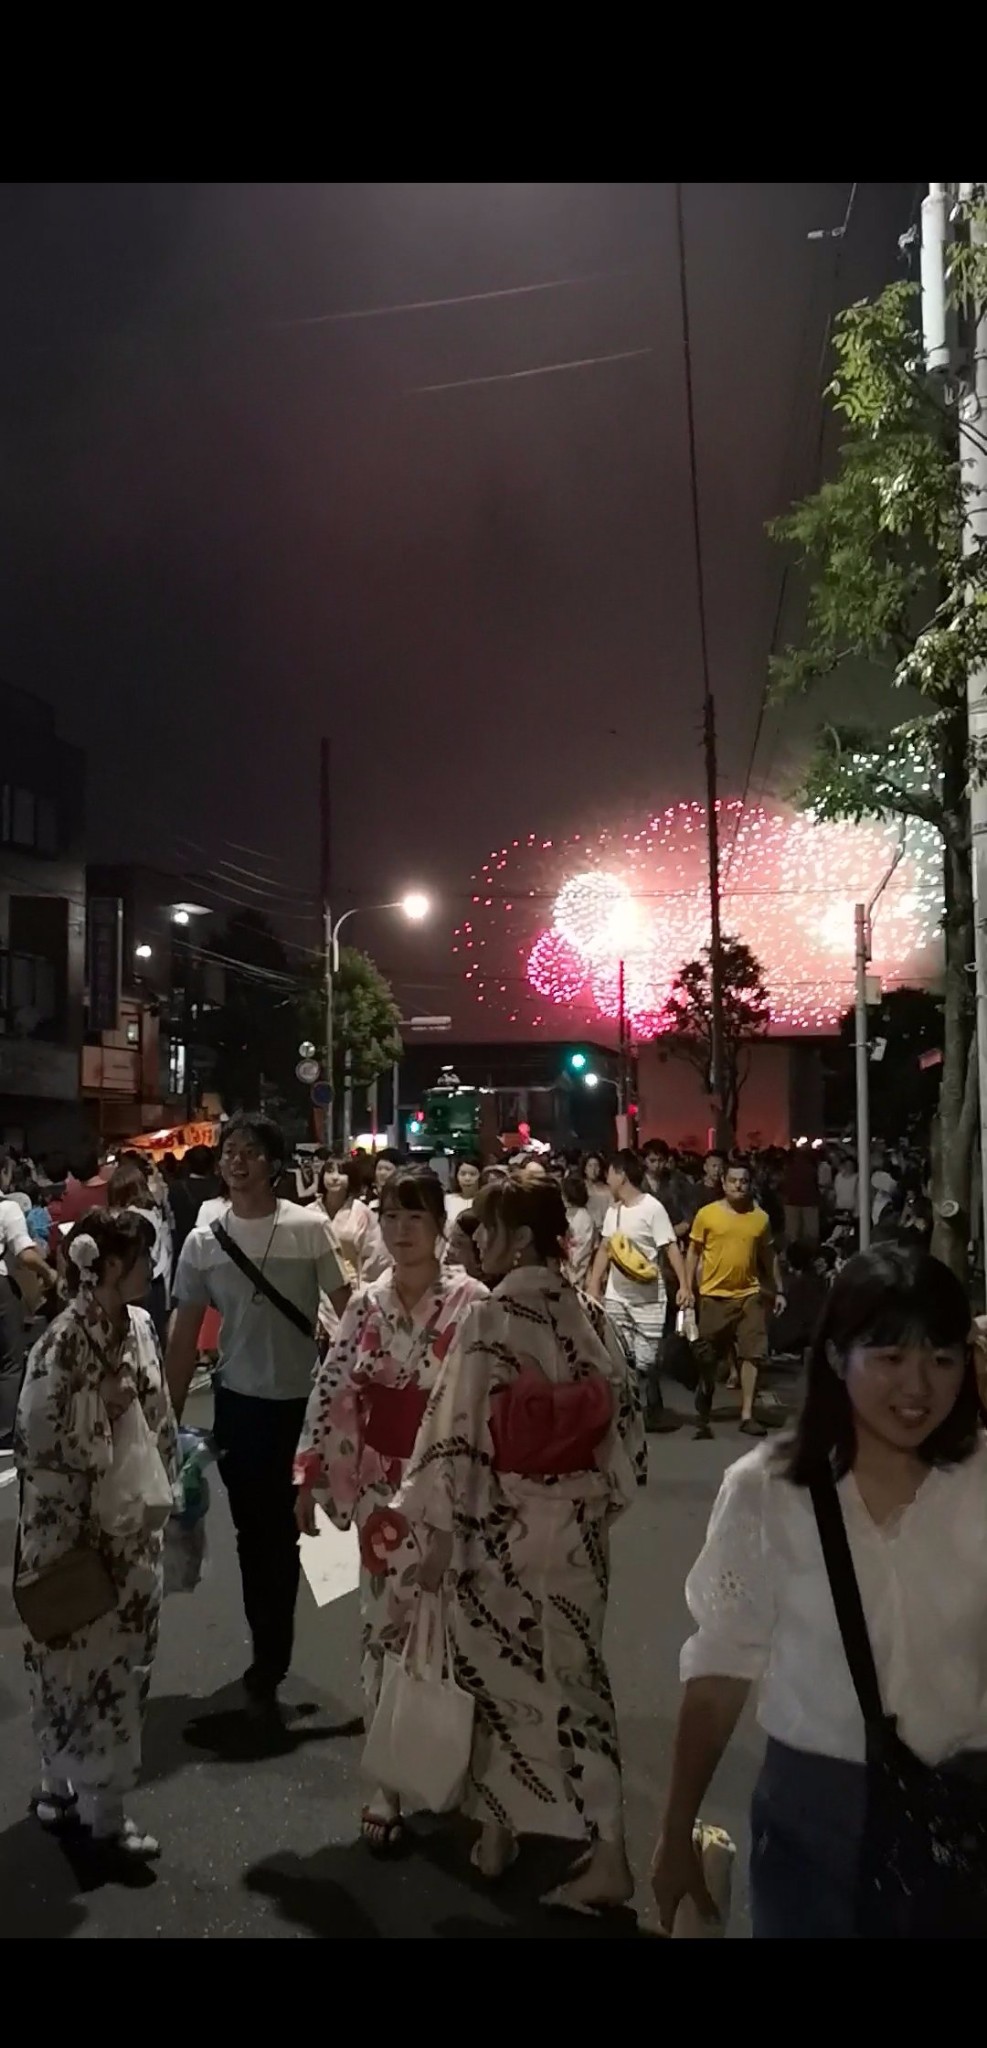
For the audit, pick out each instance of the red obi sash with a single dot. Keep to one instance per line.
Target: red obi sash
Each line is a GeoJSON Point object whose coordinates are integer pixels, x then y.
{"type": "Point", "coordinates": [543, 1430]}
{"type": "Point", "coordinates": [392, 1418]}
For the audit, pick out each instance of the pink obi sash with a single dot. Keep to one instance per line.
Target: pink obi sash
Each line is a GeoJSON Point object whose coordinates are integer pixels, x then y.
{"type": "Point", "coordinates": [392, 1418]}
{"type": "Point", "coordinates": [541, 1430]}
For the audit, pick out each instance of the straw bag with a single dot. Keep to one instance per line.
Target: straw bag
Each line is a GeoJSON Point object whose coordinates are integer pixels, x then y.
{"type": "Point", "coordinates": [422, 1733]}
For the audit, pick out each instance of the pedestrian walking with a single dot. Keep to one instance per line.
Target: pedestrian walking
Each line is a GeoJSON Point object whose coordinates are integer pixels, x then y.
{"type": "Point", "coordinates": [583, 1234]}
{"type": "Point", "coordinates": [89, 1687]}
{"type": "Point", "coordinates": [262, 1264]}
{"type": "Point", "coordinates": [355, 1227]}
{"type": "Point", "coordinates": [363, 1417]}
{"type": "Point", "coordinates": [627, 1272]}
{"type": "Point", "coordinates": [844, 1575]}
{"type": "Point", "coordinates": [731, 1253]}
{"type": "Point", "coordinates": [525, 1457]}
{"type": "Point", "coordinates": [24, 1269]}
{"type": "Point", "coordinates": [595, 1176]}
{"type": "Point", "coordinates": [128, 1188]}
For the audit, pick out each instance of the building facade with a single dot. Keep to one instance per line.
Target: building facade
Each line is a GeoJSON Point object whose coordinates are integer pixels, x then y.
{"type": "Point", "coordinates": [42, 927]}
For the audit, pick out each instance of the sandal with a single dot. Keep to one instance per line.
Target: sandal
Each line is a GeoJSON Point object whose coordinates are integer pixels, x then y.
{"type": "Point", "coordinates": [55, 1811]}
{"type": "Point", "coordinates": [129, 1843]}
{"type": "Point", "coordinates": [492, 1876]}
{"type": "Point", "coordinates": [382, 1832]}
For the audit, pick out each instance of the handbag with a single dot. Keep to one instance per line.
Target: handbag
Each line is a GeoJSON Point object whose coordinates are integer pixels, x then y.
{"type": "Point", "coordinates": [923, 1865]}
{"type": "Point", "coordinates": [261, 1284]}
{"type": "Point", "coordinates": [628, 1259]}
{"type": "Point", "coordinates": [421, 1736]}
{"type": "Point", "coordinates": [63, 1598]}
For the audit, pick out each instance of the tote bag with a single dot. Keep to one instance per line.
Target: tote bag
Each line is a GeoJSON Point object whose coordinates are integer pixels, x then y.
{"type": "Point", "coordinates": [422, 1733]}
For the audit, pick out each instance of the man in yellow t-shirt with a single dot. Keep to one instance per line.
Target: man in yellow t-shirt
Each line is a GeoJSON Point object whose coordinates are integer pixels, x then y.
{"type": "Point", "coordinates": [730, 1248]}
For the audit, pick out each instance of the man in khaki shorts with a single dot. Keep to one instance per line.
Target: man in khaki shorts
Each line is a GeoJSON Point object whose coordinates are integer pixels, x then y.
{"type": "Point", "coordinates": [731, 1251]}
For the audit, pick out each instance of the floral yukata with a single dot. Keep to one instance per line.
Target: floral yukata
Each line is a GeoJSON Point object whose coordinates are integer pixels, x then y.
{"type": "Point", "coordinates": [90, 1691]}
{"type": "Point", "coordinates": [532, 1443]}
{"type": "Point", "coordinates": [363, 1417]}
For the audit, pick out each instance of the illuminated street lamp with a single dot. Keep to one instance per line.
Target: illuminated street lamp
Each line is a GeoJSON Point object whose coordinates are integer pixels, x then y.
{"type": "Point", "coordinates": [143, 952]}
{"type": "Point", "coordinates": [415, 906]}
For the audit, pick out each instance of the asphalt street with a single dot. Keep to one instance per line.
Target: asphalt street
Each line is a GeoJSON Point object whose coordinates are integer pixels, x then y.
{"type": "Point", "coordinates": [266, 1845]}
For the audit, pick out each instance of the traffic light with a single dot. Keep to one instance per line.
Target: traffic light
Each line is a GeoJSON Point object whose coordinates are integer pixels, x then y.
{"type": "Point", "coordinates": [577, 1062]}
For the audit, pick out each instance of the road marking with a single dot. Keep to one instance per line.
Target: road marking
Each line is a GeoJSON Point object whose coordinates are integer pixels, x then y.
{"type": "Point", "coordinates": [330, 1561]}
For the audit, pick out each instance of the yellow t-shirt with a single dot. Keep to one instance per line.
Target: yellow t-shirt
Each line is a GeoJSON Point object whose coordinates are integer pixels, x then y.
{"type": "Point", "coordinates": [729, 1240]}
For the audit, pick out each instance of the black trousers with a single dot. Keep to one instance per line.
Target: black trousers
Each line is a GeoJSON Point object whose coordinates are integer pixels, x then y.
{"type": "Point", "coordinates": [11, 1356]}
{"type": "Point", "coordinates": [256, 1442]}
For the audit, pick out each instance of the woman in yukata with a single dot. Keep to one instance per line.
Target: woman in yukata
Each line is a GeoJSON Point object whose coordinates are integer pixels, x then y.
{"type": "Point", "coordinates": [531, 1445]}
{"type": "Point", "coordinates": [363, 1417]}
{"type": "Point", "coordinates": [89, 1690]}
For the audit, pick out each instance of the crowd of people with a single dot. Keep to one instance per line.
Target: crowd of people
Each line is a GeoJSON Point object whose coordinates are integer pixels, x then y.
{"type": "Point", "coordinates": [465, 1368]}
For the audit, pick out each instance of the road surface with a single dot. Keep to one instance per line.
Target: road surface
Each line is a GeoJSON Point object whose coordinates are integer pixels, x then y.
{"type": "Point", "coordinates": [264, 1846]}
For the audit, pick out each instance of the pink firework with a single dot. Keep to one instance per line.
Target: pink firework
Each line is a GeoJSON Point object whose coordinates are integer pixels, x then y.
{"type": "Point", "coordinates": [553, 920]}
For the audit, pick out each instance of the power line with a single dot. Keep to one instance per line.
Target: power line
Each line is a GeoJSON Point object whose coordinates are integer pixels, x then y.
{"type": "Point", "coordinates": [623, 355]}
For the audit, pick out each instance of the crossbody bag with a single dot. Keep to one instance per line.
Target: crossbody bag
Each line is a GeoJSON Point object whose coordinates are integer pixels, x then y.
{"type": "Point", "coordinates": [923, 1867]}
{"type": "Point", "coordinates": [260, 1282]}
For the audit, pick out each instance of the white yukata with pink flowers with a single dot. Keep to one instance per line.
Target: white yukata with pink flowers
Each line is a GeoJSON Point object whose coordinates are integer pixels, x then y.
{"type": "Point", "coordinates": [380, 1344]}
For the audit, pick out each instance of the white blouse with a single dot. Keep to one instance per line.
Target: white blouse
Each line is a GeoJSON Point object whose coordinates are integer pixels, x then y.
{"type": "Point", "coordinates": [759, 1595]}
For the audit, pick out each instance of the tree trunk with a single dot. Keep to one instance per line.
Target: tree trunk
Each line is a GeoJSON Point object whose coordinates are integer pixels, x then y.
{"type": "Point", "coordinates": [955, 1126]}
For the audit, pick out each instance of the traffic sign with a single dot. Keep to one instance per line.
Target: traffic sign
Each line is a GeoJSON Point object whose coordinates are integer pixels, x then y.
{"type": "Point", "coordinates": [307, 1071]}
{"type": "Point", "coordinates": [321, 1095]}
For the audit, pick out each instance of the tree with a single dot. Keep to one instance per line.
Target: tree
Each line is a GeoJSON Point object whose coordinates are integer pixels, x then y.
{"type": "Point", "coordinates": [746, 1015]}
{"type": "Point", "coordinates": [366, 1020]}
{"type": "Point", "coordinates": [891, 593]}
{"type": "Point", "coordinates": [903, 1094]}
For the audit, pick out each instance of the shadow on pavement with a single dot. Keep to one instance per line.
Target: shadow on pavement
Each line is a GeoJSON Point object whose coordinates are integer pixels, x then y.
{"type": "Point", "coordinates": [40, 1885]}
{"type": "Point", "coordinates": [325, 1893]}
{"type": "Point", "coordinates": [221, 1728]}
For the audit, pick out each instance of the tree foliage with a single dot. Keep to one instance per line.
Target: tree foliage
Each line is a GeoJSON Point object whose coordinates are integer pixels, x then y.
{"type": "Point", "coordinates": [903, 1095]}
{"type": "Point", "coordinates": [746, 1015]}
{"type": "Point", "coordinates": [891, 595]}
{"type": "Point", "coordinates": [366, 1019]}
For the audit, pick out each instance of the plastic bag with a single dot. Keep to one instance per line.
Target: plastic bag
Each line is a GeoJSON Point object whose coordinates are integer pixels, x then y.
{"type": "Point", "coordinates": [135, 1493]}
{"type": "Point", "coordinates": [185, 1535]}
{"type": "Point", "coordinates": [422, 1733]}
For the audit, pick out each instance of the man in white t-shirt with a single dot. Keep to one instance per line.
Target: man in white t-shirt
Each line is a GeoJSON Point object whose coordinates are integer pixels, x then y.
{"type": "Point", "coordinates": [20, 1261]}
{"type": "Point", "coordinates": [637, 1307]}
{"type": "Point", "coordinates": [267, 1359]}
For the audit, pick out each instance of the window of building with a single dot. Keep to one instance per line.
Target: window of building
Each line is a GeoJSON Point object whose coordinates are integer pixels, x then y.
{"type": "Point", "coordinates": [28, 989]}
{"type": "Point", "coordinates": [28, 820]}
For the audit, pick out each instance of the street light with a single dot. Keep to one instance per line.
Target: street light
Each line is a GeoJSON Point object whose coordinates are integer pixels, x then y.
{"type": "Point", "coordinates": [415, 906]}
{"type": "Point", "coordinates": [143, 952]}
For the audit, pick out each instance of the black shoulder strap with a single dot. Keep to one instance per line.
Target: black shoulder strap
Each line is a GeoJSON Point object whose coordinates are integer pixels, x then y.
{"type": "Point", "coordinates": [846, 1599]}
{"type": "Point", "coordinates": [260, 1281]}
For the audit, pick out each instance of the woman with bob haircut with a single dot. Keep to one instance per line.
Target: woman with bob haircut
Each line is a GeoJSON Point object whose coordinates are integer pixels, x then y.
{"type": "Point", "coordinates": [363, 1417]}
{"type": "Point", "coordinates": [844, 1576]}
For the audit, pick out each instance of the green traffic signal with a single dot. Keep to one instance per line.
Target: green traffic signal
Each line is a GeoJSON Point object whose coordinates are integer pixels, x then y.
{"type": "Point", "coordinates": [577, 1061]}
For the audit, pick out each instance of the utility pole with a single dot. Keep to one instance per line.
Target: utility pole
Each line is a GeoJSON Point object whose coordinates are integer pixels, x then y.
{"type": "Point", "coordinates": [862, 926]}
{"type": "Point", "coordinates": [961, 358]}
{"type": "Point", "coordinates": [325, 891]}
{"type": "Point", "coordinates": [717, 1075]}
{"type": "Point", "coordinates": [621, 1041]}
{"type": "Point", "coordinates": [861, 1055]}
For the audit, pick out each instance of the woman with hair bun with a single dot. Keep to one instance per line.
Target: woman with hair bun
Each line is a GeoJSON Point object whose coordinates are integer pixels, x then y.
{"type": "Point", "coordinates": [528, 1451]}
{"type": "Point", "coordinates": [89, 1689]}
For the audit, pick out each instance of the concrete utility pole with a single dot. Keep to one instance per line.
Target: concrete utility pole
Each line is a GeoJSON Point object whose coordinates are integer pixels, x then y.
{"type": "Point", "coordinates": [325, 888]}
{"type": "Point", "coordinates": [961, 358]}
{"type": "Point", "coordinates": [862, 920]}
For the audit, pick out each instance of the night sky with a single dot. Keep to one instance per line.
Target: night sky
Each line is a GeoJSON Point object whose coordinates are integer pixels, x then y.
{"type": "Point", "coordinates": [234, 520]}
